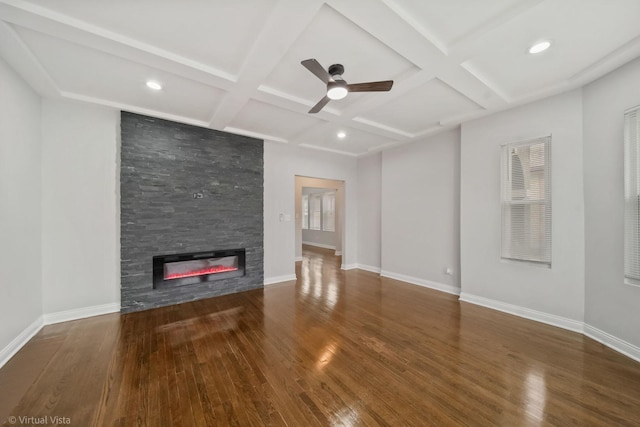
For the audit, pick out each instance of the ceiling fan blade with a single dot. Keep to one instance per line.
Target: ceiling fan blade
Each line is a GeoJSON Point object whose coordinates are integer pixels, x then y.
{"type": "Point", "coordinates": [320, 105]}
{"type": "Point", "coordinates": [371, 86]}
{"type": "Point", "coordinates": [315, 67]}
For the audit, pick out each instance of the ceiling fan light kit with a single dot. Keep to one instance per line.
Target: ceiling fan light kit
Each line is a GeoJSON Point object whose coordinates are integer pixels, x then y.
{"type": "Point", "coordinates": [337, 90]}
{"type": "Point", "coordinates": [337, 87]}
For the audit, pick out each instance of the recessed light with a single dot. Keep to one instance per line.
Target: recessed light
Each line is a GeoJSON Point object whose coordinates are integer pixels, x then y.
{"type": "Point", "coordinates": [341, 135]}
{"type": "Point", "coordinates": [540, 47]}
{"type": "Point", "coordinates": [154, 85]}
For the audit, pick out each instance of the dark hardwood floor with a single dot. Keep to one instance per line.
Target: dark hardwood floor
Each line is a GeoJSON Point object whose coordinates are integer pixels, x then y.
{"type": "Point", "coordinates": [334, 348]}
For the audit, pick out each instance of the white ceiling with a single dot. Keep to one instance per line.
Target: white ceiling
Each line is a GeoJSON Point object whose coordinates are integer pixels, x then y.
{"type": "Point", "coordinates": [235, 65]}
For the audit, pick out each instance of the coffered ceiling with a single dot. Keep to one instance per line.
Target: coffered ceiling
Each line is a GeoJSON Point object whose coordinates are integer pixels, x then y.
{"type": "Point", "coordinates": [235, 65]}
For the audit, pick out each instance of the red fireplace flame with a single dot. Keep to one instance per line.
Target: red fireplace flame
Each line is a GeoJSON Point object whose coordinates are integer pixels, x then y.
{"type": "Point", "coordinates": [201, 272]}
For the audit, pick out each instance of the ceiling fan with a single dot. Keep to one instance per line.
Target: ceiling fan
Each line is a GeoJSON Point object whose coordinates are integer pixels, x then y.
{"type": "Point", "coordinates": [337, 88]}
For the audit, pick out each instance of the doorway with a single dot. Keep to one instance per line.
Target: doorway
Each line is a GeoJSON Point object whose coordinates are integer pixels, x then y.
{"type": "Point", "coordinates": [320, 223]}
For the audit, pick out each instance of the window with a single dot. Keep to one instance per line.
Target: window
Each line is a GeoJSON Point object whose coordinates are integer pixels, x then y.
{"type": "Point", "coordinates": [315, 210]}
{"type": "Point", "coordinates": [319, 211]}
{"type": "Point", "coordinates": [305, 211]}
{"type": "Point", "coordinates": [329, 211]}
{"type": "Point", "coordinates": [632, 196]}
{"type": "Point", "coordinates": [526, 201]}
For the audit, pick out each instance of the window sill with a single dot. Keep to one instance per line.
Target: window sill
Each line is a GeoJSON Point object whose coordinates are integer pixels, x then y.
{"type": "Point", "coordinates": [525, 262]}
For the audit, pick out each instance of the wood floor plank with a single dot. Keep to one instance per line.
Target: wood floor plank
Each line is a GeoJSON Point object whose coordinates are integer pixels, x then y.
{"type": "Point", "coordinates": [332, 348]}
{"type": "Point", "coordinates": [20, 373]}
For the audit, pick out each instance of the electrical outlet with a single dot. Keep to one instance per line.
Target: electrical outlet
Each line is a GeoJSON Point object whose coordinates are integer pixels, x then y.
{"type": "Point", "coordinates": [448, 271]}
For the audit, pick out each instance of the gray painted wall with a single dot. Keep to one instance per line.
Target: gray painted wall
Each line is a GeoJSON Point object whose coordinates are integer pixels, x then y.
{"type": "Point", "coordinates": [369, 203]}
{"type": "Point", "coordinates": [162, 164]}
{"type": "Point", "coordinates": [20, 214]}
{"type": "Point", "coordinates": [80, 251]}
{"type": "Point", "coordinates": [322, 239]}
{"type": "Point", "coordinates": [611, 306]}
{"type": "Point", "coordinates": [420, 211]}
{"type": "Point", "coordinates": [558, 290]}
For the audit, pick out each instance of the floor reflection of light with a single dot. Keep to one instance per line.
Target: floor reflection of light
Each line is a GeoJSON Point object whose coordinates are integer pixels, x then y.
{"type": "Point", "coordinates": [316, 284]}
{"type": "Point", "coordinates": [305, 276]}
{"type": "Point", "coordinates": [536, 395]}
{"type": "Point", "coordinates": [327, 354]}
{"type": "Point", "coordinates": [346, 417]}
{"type": "Point", "coordinates": [304, 288]}
{"type": "Point", "coordinates": [332, 294]}
{"type": "Point", "coordinates": [317, 289]}
{"type": "Point", "coordinates": [195, 328]}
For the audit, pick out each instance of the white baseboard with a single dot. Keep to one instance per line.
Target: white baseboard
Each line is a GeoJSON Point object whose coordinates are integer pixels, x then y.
{"type": "Point", "coordinates": [48, 319]}
{"type": "Point", "coordinates": [602, 337]}
{"type": "Point", "coordinates": [421, 282]}
{"type": "Point", "coordinates": [319, 245]}
{"type": "Point", "coordinates": [279, 279]}
{"type": "Point", "coordinates": [527, 313]}
{"type": "Point", "coordinates": [613, 342]}
{"type": "Point", "coordinates": [360, 267]}
{"type": "Point", "coordinates": [338, 253]}
{"type": "Point", "coordinates": [370, 268]}
{"type": "Point", "coordinates": [298, 258]}
{"type": "Point", "coordinates": [18, 342]}
{"type": "Point", "coordinates": [81, 313]}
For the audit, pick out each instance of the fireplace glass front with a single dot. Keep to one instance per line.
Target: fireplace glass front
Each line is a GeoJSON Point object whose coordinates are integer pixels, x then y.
{"type": "Point", "coordinates": [197, 267]}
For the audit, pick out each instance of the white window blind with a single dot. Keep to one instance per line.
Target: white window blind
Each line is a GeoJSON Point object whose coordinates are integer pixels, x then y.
{"type": "Point", "coordinates": [526, 201]}
{"type": "Point", "coordinates": [315, 211]}
{"type": "Point", "coordinates": [305, 211]}
{"type": "Point", "coordinates": [329, 211]}
{"type": "Point", "coordinates": [632, 196]}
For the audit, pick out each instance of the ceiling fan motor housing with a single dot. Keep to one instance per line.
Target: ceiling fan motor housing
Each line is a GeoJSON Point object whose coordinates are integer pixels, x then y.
{"type": "Point", "coordinates": [336, 70]}
{"type": "Point", "coordinates": [337, 89]}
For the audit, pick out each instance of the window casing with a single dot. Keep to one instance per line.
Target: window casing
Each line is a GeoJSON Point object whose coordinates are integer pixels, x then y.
{"type": "Point", "coordinates": [526, 201]}
{"type": "Point", "coordinates": [632, 196]}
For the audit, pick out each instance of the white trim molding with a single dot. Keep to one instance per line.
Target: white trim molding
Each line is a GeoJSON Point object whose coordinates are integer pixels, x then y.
{"type": "Point", "coordinates": [421, 282]}
{"type": "Point", "coordinates": [349, 266]}
{"type": "Point", "coordinates": [527, 313]}
{"type": "Point", "coordinates": [81, 313]}
{"type": "Point", "coordinates": [612, 342]}
{"type": "Point", "coordinates": [319, 245]}
{"type": "Point", "coordinates": [18, 342]}
{"type": "Point", "coordinates": [48, 319]}
{"type": "Point", "coordinates": [585, 329]}
{"type": "Point", "coordinates": [279, 279]}
{"type": "Point", "coordinates": [370, 268]}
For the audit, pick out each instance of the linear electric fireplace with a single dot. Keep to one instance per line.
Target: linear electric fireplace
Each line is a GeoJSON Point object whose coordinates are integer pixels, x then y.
{"type": "Point", "coordinates": [197, 267]}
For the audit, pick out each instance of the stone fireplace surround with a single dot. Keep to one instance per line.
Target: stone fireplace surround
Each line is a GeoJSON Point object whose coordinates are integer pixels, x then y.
{"type": "Point", "coordinates": [186, 189]}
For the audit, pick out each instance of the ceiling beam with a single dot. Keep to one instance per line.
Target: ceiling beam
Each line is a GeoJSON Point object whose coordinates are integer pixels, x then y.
{"type": "Point", "coordinates": [286, 22]}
